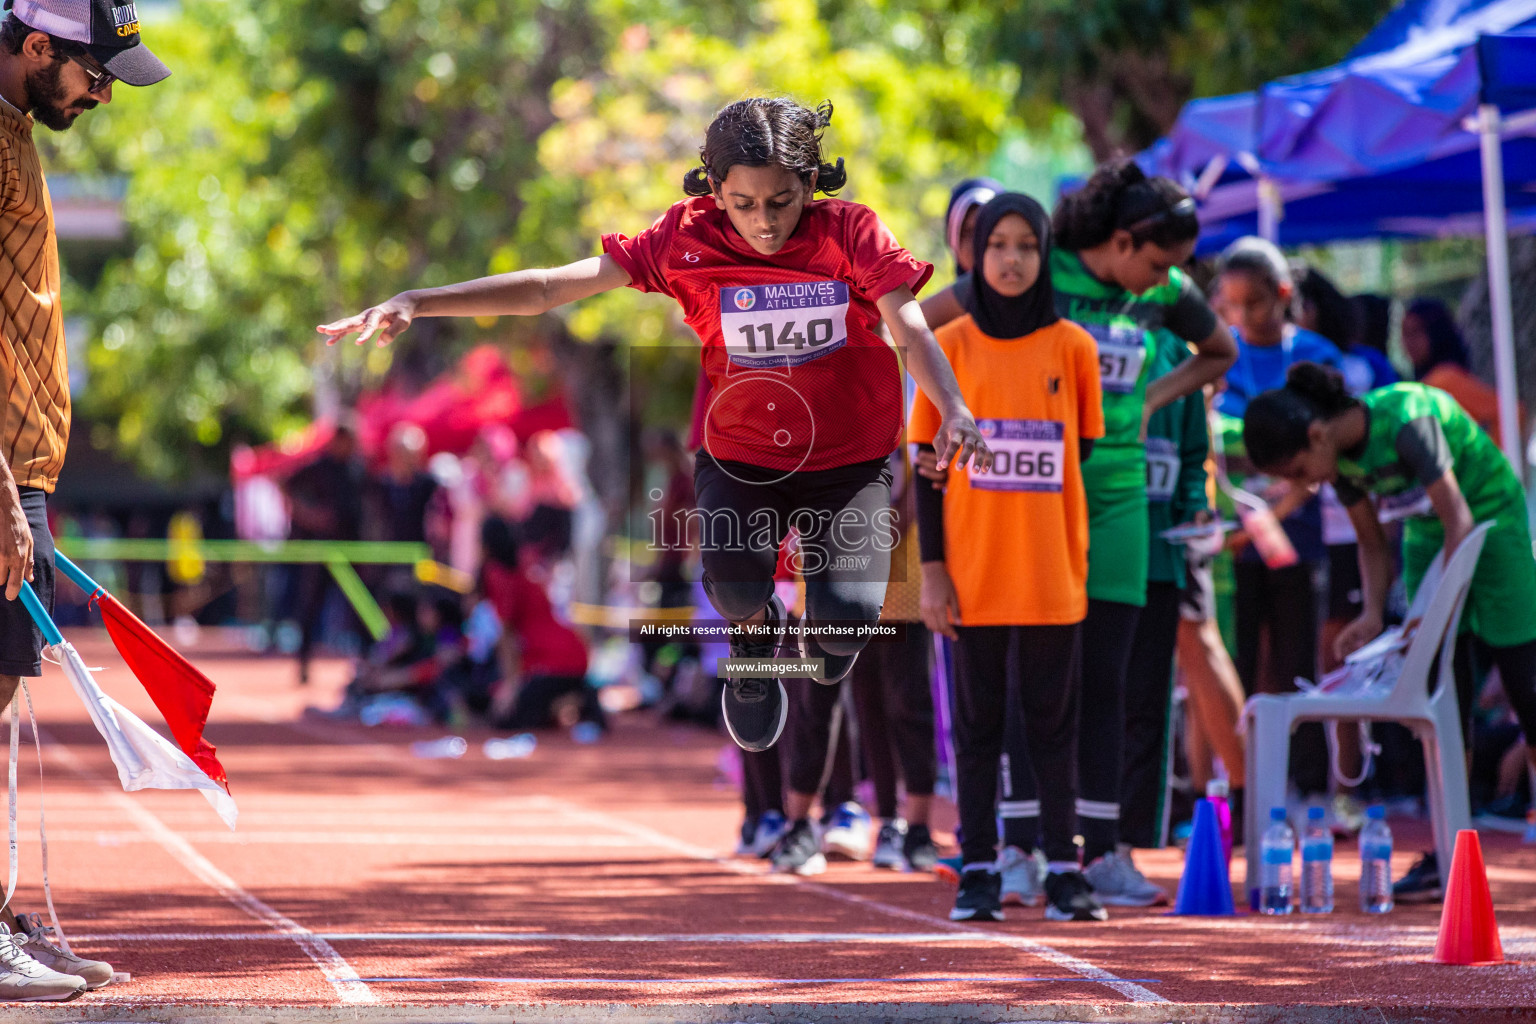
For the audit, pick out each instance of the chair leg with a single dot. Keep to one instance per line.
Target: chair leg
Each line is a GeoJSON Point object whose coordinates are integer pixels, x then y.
{"type": "Point", "coordinates": [1446, 771]}
{"type": "Point", "coordinates": [1268, 759]}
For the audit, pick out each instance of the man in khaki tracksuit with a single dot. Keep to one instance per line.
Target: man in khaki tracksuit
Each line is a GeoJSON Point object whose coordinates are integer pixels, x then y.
{"type": "Point", "coordinates": [58, 59]}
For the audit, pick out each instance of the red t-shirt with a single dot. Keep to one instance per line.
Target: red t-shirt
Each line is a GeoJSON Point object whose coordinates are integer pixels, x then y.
{"type": "Point", "coordinates": [799, 378]}
{"type": "Point", "coordinates": [548, 646]}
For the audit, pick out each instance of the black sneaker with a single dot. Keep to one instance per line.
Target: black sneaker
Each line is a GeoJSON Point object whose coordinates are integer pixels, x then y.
{"type": "Point", "coordinates": [755, 709]}
{"type": "Point", "coordinates": [1421, 884]}
{"type": "Point", "coordinates": [1069, 897]}
{"type": "Point", "coordinates": [980, 897]}
{"type": "Point", "coordinates": [835, 666]}
{"type": "Point", "coordinates": [799, 851]}
{"type": "Point", "coordinates": [920, 852]}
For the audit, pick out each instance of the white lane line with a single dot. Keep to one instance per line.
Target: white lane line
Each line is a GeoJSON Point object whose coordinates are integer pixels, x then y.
{"type": "Point", "coordinates": [574, 842]}
{"type": "Point", "coordinates": [1130, 989]}
{"type": "Point", "coordinates": [754, 938]}
{"type": "Point", "coordinates": [349, 987]}
{"type": "Point", "coordinates": [916, 978]}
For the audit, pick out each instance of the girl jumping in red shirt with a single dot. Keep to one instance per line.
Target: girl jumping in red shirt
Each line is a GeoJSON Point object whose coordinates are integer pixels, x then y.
{"type": "Point", "coordinates": [786, 293]}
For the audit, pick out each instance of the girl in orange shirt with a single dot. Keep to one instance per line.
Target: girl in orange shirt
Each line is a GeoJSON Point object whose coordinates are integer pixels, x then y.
{"type": "Point", "coordinates": [1005, 555]}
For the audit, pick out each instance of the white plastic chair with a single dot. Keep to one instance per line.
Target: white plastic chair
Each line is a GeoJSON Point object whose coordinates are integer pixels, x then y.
{"type": "Point", "coordinates": [1434, 718]}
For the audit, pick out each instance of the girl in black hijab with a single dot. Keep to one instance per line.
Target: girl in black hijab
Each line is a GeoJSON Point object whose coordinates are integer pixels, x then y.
{"type": "Point", "coordinates": [1000, 314]}
{"type": "Point", "coordinates": [1018, 582]}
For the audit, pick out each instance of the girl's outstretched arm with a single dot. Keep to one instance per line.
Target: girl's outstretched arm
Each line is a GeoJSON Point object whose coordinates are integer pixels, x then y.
{"type": "Point", "coordinates": [1212, 358]}
{"type": "Point", "coordinates": [520, 293]}
{"type": "Point", "coordinates": [957, 440]}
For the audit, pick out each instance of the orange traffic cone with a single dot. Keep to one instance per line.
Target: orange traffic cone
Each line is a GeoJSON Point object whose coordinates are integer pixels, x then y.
{"type": "Point", "coordinates": [1468, 933]}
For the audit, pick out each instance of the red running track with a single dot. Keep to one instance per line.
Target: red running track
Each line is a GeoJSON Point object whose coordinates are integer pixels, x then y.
{"type": "Point", "coordinates": [585, 878]}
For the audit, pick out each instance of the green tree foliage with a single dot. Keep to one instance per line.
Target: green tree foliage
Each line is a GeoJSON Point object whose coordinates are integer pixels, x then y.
{"type": "Point", "coordinates": [305, 157]}
{"type": "Point", "coordinates": [626, 134]}
{"type": "Point", "coordinates": [310, 156]}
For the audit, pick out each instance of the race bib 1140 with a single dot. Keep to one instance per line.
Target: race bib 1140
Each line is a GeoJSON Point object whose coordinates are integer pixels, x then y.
{"type": "Point", "coordinates": [1028, 455]}
{"type": "Point", "coordinates": [1122, 354]}
{"type": "Point", "coordinates": [1162, 468]}
{"type": "Point", "coordinates": [783, 324]}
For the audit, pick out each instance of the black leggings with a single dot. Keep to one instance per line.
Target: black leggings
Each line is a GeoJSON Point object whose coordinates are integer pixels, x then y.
{"type": "Point", "coordinates": [1040, 667]}
{"type": "Point", "coordinates": [744, 513]}
{"type": "Point", "coordinates": [1283, 601]}
{"type": "Point", "coordinates": [819, 751]}
{"type": "Point", "coordinates": [1107, 632]}
{"type": "Point", "coordinates": [893, 697]}
{"type": "Point", "coordinates": [762, 781]}
{"type": "Point", "coordinates": [1148, 694]}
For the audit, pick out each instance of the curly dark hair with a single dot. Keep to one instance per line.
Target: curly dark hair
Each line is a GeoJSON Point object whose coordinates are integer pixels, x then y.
{"type": "Point", "coordinates": [764, 132]}
{"type": "Point", "coordinates": [1119, 195]}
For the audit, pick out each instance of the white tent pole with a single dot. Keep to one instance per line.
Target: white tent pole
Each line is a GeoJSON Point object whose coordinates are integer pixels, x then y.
{"type": "Point", "coordinates": [1498, 285]}
{"type": "Point", "coordinates": [1269, 210]}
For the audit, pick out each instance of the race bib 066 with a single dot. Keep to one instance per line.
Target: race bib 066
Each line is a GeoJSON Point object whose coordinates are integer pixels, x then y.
{"type": "Point", "coordinates": [1028, 455]}
{"type": "Point", "coordinates": [1162, 468]}
{"type": "Point", "coordinates": [783, 324]}
{"type": "Point", "coordinates": [1122, 353]}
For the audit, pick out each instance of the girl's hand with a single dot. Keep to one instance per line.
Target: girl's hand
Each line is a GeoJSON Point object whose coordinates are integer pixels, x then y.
{"type": "Point", "coordinates": [1356, 635]}
{"type": "Point", "coordinates": [959, 440]}
{"type": "Point", "coordinates": [387, 320]}
{"type": "Point", "coordinates": [927, 464]}
{"type": "Point", "coordinates": [938, 603]}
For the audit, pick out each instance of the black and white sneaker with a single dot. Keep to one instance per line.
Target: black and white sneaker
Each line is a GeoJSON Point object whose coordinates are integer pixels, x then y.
{"type": "Point", "coordinates": [799, 851]}
{"type": "Point", "coordinates": [919, 850]}
{"type": "Point", "coordinates": [1069, 897]}
{"type": "Point", "coordinates": [980, 897]}
{"type": "Point", "coordinates": [756, 708]}
{"type": "Point", "coordinates": [835, 666]}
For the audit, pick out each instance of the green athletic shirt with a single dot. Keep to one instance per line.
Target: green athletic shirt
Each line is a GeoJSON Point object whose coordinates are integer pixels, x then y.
{"type": "Point", "coordinates": [1115, 475]}
{"type": "Point", "coordinates": [1177, 445]}
{"type": "Point", "coordinates": [1414, 434]}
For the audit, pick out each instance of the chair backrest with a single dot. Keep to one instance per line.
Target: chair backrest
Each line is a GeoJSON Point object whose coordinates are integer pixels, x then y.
{"type": "Point", "coordinates": [1441, 611]}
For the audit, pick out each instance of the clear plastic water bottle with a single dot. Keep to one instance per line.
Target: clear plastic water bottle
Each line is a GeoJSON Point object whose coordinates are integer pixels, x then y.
{"type": "Point", "coordinates": [1376, 862]}
{"type": "Point", "coordinates": [511, 748]}
{"type": "Point", "coordinates": [1278, 849]}
{"type": "Point", "coordinates": [447, 747]}
{"type": "Point", "coordinates": [1316, 865]}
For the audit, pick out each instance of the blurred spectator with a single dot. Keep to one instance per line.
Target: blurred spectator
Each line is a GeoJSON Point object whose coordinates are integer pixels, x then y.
{"type": "Point", "coordinates": [401, 502]}
{"type": "Point", "coordinates": [546, 683]}
{"type": "Point", "coordinates": [1322, 308]}
{"type": "Point", "coordinates": [324, 504]}
{"type": "Point", "coordinates": [1440, 359]}
{"type": "Point", "coordinates": [1373, 322]}
{"type": "Point", "coordinates": [553, 494]}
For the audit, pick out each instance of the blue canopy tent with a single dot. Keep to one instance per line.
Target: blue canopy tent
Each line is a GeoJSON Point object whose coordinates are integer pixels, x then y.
{"type": "Point", "coordinates": [1416, 132]}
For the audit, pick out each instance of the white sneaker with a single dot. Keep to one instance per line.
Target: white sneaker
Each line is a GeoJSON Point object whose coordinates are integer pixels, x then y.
{"type": "Point", "coordinates": [23, 979]}
{"type": "Point", "coordinates": [850, 833]}
{"type": "Point", "coordinates": [1023, 876]}
{"type": "Point", "coordinates": [1117, 882]}
{"type": "Point", "coordinates": [32, 934]}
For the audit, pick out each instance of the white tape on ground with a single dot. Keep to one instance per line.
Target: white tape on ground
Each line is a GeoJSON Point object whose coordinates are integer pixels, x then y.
{"type": "Point", "coordinates": [349, 987]}
{"type": "Point", "coordinates": [753, 938]}
{"type": "Point", "coordinates": [1129, 989]}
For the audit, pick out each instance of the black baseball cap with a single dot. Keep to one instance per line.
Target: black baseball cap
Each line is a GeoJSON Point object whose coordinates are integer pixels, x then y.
{"type": "Point", "coordinates": [108, 29]}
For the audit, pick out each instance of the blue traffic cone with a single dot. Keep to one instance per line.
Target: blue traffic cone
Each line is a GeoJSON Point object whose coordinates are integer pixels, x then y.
{"type": "Point", "coordinates": [1205, 888]}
